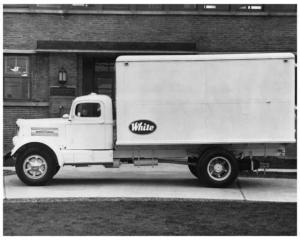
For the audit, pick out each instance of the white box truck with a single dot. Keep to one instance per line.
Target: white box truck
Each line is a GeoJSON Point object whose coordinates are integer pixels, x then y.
{"type": "Point", "coordinates": [213, 113]}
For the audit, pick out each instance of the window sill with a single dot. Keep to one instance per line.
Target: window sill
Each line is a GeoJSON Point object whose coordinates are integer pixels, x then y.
{"type": "Point", "coordinates": [9, 103]}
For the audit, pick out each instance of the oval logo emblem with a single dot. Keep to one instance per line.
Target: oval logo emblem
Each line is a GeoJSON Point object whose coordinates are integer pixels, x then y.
{"type": "Point", "coordinates": [142, 127]}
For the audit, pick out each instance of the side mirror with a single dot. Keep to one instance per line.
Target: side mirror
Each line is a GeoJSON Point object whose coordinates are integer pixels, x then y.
{"type": "Point", "coordinates": [65, 116]}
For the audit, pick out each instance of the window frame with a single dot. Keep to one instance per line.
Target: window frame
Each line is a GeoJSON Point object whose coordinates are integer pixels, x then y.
{"type": "Point", "coordinates": [86, 103]}
{"type": "Point", "coordinates": [28, 78]}
{"type": "Point", "coordinates": [99, 119]}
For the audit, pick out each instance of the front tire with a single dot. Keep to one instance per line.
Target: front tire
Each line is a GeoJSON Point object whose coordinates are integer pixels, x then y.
{"type": "Point", "coordinates": [217, 168]}
{"type": "Point", "coordinates": [35, 167]}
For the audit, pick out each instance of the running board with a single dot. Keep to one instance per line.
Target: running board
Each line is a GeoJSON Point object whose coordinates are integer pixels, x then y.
{"type": "Point", "coordinates": [136, 162]}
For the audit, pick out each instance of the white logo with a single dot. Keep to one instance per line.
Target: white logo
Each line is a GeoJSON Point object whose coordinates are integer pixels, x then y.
{"type": "Point", "coordinates": [142, 127]}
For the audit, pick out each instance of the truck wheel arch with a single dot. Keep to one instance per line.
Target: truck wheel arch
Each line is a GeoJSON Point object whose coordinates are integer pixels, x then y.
{"type": "Point", "coordinates": [215, 147]}
{"type": "Point", "coordinates": [39, 145]}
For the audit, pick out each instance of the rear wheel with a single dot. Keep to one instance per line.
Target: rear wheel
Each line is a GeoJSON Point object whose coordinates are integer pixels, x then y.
{"type": "Point", "coordinates": [35, 167]}
{"type": "Point", "coordinates": [217, 168]}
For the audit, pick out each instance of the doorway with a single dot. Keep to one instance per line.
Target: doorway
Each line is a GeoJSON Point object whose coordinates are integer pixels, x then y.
{"type": "Point", "coordinates": [99, 76]}
{"type": "Point", "coordinates": [104, 76]}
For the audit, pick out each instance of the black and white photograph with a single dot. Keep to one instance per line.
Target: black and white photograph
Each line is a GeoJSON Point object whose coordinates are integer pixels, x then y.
{"type": "Point", "coordinates": [149, 118]}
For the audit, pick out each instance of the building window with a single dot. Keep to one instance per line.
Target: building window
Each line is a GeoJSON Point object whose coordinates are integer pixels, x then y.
{"type": "Point", "coordinates": [248, 8]}
{"type": "Point", "coordinates": [16, 77]}
{"type": "Point", "coordinates": [116, 7]}
{"type": "Point", "coordinates": [181, 7]}
{"type": "Point", "coordinates": [210, 6]}
{"type": "Point", "coordinates": [149, 7]}
{"type": "Point", "coordinates": [214, 7]}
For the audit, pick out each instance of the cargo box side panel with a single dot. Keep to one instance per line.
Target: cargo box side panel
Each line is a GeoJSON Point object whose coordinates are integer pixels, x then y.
{"type": "Point", "coordinates": [220, 101]}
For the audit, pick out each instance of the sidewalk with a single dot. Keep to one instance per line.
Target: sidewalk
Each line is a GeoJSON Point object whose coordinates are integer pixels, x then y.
{"type": "Point", "coordinates": [260, 170]}
{"type": "Point", "coordinates": [165, 181]}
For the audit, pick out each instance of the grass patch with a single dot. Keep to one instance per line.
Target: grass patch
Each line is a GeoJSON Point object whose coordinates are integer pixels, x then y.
{"type": "Point", "coordinates": [140, 218]}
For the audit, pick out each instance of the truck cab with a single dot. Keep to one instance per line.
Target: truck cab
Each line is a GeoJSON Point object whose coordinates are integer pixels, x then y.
{"type": "Point", "coordinates": [85, 136]}
{"type": "Point", "coordinates": [90, 124]}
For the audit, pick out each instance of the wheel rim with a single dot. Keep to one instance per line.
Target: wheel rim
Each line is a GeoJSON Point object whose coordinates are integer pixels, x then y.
{"type": "Point", "coordinates": [35, 167]}
{"type": "Point", "coordinates": [219, 168]}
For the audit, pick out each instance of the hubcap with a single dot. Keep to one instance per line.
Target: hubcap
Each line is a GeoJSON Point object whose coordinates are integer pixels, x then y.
{"type": "Point", "coordinates": [219, 168]}
{"type": "Point", "coordinates": [35, 166]}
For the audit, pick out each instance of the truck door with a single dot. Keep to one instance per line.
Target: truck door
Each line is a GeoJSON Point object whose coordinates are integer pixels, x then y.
{"type": "Point", "coordinates": [87, 129]}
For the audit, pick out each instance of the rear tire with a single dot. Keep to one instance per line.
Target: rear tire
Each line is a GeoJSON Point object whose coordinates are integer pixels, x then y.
{"type": "Point", "coordinates": [35, 166]}
{"type": "Point", "coordinates": [217, 168]}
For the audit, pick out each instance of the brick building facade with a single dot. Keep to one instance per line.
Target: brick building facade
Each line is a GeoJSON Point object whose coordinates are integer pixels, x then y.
{"type": "Point", "coordinates": [82, 41]}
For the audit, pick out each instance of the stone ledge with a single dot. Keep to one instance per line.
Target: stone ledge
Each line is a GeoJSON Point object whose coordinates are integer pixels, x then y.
{"type": "Point", "coordinates": [25, 104]}
{"type": "Point", "coordinates": [140, 12]}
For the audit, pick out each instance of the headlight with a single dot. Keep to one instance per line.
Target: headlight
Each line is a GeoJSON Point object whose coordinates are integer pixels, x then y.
{"type": "Point", "coordinates": [14, 140]}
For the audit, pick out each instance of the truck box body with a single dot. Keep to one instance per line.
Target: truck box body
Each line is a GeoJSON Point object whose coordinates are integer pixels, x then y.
{"type": "Point", "coordinates": [205, 99]}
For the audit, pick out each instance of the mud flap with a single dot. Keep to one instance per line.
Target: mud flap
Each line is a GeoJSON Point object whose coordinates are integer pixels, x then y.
{"type": "Point", "coordinates": [248, 164]}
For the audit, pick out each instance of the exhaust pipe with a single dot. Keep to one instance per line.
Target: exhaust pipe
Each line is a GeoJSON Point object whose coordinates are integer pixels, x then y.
{"type": "Point", "coordinates": [145, 162]}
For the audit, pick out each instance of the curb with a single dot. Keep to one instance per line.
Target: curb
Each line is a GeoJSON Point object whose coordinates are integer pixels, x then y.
{"type": "Point", "coordinates": [277, 170]}
{"type": "Point", "coordinates": [9, 168]}
{"type": "Point", "coordinates": [129, 199]}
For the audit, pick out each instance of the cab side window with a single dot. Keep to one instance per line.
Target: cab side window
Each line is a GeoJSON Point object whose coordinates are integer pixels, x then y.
{"type": "Point", "coordinates": [88, 110]}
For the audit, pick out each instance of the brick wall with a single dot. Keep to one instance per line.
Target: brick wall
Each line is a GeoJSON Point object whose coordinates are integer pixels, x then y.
{"type": "Point", "coordinates": [11, 114]}
{"type": "Point", "coordinates": [211, 33]}
{"type": "Point", "coordinates": [44, 69]}
{"type": "Point", "coordinates": [40, 77]}
{"type": "Point", "coordinates": [66, 60]}
{"type": "Point", "coordinates": [231, 33]}
{"type": "Point", "coordinates": [60, 105]}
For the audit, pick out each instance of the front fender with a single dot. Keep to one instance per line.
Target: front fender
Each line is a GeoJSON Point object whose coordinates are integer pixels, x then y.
{"type": "Point", "coordinates": [18, 143]}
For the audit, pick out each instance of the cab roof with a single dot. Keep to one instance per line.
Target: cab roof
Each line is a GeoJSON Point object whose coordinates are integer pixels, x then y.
{"type": "Point", "coordinates": [93, 97]}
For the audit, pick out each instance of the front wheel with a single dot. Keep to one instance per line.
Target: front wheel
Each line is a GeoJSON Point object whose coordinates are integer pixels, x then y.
{"type": "Point", "coordinates": [217, 168]}
{"type": "Point", "coordinates": [35, 167]}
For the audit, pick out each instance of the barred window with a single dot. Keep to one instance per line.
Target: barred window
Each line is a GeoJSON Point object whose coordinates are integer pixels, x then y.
{"type": "Point", "coordinates": [16, 77]}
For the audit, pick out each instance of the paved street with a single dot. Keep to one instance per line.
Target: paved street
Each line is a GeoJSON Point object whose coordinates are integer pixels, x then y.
{"type": "Point", "coordinates": [163, 181]}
